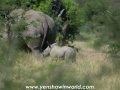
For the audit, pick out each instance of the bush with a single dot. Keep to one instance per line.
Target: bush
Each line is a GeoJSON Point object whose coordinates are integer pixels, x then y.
{"type": "Point", "coordinates": [112, 18]}
{"type": "Point", "coordinates": [109, 34]}
{"type": "Point", "coordinates": [95, 7]}
{"type": "Point", "coordinates": [71, 15]}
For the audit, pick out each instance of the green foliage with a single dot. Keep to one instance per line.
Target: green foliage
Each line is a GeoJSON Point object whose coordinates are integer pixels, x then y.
{"type": "Point", "coordinates": [22, 26]}
{"type": "Point", "coordinates": [1, 24]}
{"type": "Point", "coordinates": [17, 25]}
{"type": "Point", "coordinates": [6, 5]}
{"type": "Point", "coordinates": [28, 4]}
{"type": "Point", "coordinates": [81, 2]}
{"type": "Point", "coordinates": [114, 50]}
{"type": "Point", "coordinates": [110, 33]}
{"type": "Point", "coordinates": [94, 7]}
{"type": "Point", "coordinates": [112, 17]}
{"type": "Point", "coordinates": [72, 15]}
{"type": "Point", "coordinates": [59, 38]}
{"type": "Point", "coordinates": [44, 6]}
{"type": "Point", "coordinates": [92, 14]}
{"type": "Point", "coordinates": [102, 19]}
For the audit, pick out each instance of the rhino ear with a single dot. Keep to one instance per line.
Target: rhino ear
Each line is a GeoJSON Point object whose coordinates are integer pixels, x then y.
{"type": "Point", "coordinates": [48, 44]}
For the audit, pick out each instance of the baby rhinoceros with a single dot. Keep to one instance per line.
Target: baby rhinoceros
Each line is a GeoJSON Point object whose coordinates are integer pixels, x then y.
{"type": "Point", "coordinates": [64, 52]}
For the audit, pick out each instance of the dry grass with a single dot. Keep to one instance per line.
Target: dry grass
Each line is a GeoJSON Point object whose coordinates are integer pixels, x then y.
{"type": "Point", "coordinates": [92, 68]}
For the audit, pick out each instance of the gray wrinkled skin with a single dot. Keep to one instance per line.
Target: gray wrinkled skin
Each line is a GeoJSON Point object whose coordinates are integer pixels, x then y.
{"type": "Point", "coordinates": [64, 52]}
{"type": "Point", "coordinates": [39, 25]}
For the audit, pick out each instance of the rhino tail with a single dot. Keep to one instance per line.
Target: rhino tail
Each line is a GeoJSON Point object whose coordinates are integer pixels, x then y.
{"type": "Point", "coordinates": [45, 30]}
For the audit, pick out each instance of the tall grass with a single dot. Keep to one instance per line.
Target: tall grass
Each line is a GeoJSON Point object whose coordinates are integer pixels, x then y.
{"type": "Point", "coordinates": [19, 69]}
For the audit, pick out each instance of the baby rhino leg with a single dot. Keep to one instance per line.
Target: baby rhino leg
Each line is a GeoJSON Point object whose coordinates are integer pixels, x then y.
{"type": "Point", "coordinates": [69, 56]}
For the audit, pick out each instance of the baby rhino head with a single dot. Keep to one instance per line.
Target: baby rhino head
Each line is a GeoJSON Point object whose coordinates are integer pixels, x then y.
{"type": "Point", "coordinates": [46, 52]}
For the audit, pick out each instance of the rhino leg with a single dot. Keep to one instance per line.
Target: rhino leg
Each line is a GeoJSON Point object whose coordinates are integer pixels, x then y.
{"type": "Point", "coordinates": [70, 56]}
{"type": "Point", "coordinates": [37, 53]}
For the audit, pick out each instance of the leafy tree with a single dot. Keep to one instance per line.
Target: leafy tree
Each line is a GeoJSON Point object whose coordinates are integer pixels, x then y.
{"type": "Point", "coordinates": [71, 16]}
{"type": "Point", "coordinates": [110, 33]}
{"type": "Point", "coordinates": [102, 19]}
{"type": "Point", "coordinates": [105, 21]}
{"type": "Point", "coordinates": [112, 17]}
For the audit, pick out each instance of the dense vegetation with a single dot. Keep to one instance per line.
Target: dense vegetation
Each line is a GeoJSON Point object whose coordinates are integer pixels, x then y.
{"type": "Point", "coordinates": [94, 28]}
{"type": "Point", "coordinates": [99, 17]}
{"type": "Point", "coordinates": [102, 19]}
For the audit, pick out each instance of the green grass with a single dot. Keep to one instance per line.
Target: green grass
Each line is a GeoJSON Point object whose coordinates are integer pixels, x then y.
{"type": "Point", "coordinates": [19, 69]}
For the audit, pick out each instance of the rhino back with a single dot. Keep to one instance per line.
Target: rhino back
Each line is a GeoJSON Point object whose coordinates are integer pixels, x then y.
{"type": "Point", "coordinates": [70, 54]}
{"type": "Point", "coordinates": [57, 52]}
{"type": "Point", "coordinates": [17, 12]}
{"type": "Point", "coordinates": [39, 25]}
{"type": "Point", "coordinates": [34, 20]}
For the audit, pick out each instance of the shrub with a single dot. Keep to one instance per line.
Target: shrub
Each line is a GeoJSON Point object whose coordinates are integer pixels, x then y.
{"type": "Point", "coordinates": [71, 15]}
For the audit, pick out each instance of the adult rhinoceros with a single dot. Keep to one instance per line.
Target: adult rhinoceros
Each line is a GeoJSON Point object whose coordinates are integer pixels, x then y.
{"type": "Point", "coordinates": [40, 28]}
